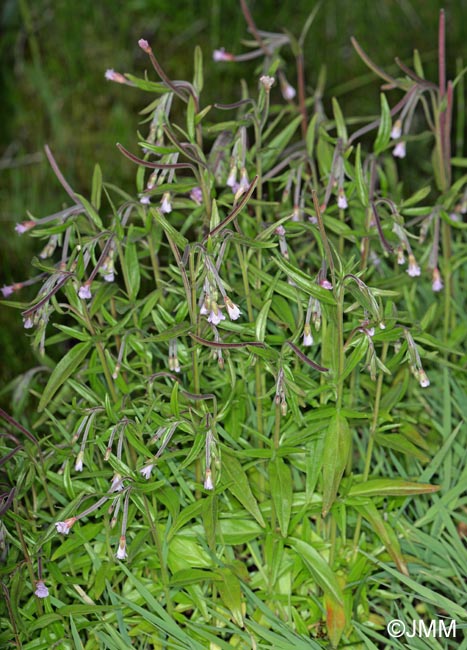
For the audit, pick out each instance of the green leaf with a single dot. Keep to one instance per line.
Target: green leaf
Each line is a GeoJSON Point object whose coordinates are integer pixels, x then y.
{"type": "Point", "coordinates": [304, 281]}
{"type": "Point", "coordinates": [198, 74]}
{"type": "Point", "coordinates": [319, 569]}
{"type": "Point", "coordinates": [262, 320]}
{"type": "Point", "coordinates": [132, 270]}
{"type": "Point", "coordinates": [231, 594]}
{"type": "Point", "coordinates": [311, 135]}
{"type": "Point", "coordinates": [62, 371]}
{"type": "Point", "coordinates": [336, 453]}
{"type": "Point", "coordinates": [280, 479]}
{"type": "Point", "coordinates": [91, 211]}
{"type": "Point", "coordinates": [362, 189]}
{"type": "Point", "coordinates": [279, 142]}
{"type": "Point", "coordinates": [236, 480]}
{"type": "Point", "coordinates": [169, 230]}
{"type": "Point", "coordinates": [398, 442]}
{"type": "Point", "coordinates": [96, 187]}
{"type": "Point", "coordinates": [384, 130]}
{"type": "Point", "coordinates": [340, 122]}
{"type": "Point", "coordinates": [391, 487]}
{"type": "Point", "coordinates": [190, 118]}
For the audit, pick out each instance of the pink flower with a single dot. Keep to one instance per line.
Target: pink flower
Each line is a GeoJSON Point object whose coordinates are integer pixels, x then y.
{"type": "Point", "coordinates": [84, 291]}
{"type": "Point", "coordinates": [145, 199]}
{"type": "Point", "coordinates": [111, 75]}
{"type": "Point", "coordinates": [232, 178]}
{"type": "Point", "coordinates": [414, 269]}
{"type": "Point", "coordinates": [396, 130]}
{"type": "Point", "coordinates": [196, 195]}
{"type": "Point", "coordinates": [28, 323]}
{"type": "Point", "coordinates": [146, 471]}
{"type": "Point", "coordinates": [21, 228]}
{"type": "Point", "coordinates": [280, 230]}
{"type": "Point", "coordinates": [437, 281]}
{"type": "Point", "coordinates": [208, 484]}
{"type": "Point", "coordinates": [325, 284]}
{"type": "Point", "coordinates": [166, 206]}
{"type": "Point", "coordinates": [341, 200]}
{"type": "Point", "coordinates": [423, 379]}
{"type": "Point", "coordinates": [307, 337]}
{"type": "Point", "coordinates": [41, 589]}
{"type": "Point", "coordinates": [79, 462]}
{"type": "Point", "coordinates": [288, 91]}
{"type": "Point", "coordinates": [64, 527]}
{"type": "Point", "coordinates": [215, 315]}
{"type": "Point", "coordinates": [144, 45]}
{"type": "Point", "coordinates": [7, 291]}
{"type": "Point", "coordinates": [121, 551]}
{"type": "Point", "coordinates": [232, 308]}
{"type": "Point", "coordinates": [222, 55]}
{"type": "Point", "coordinates": [117, 484]}
{"type": "Point", "coordinates": [399, 150]}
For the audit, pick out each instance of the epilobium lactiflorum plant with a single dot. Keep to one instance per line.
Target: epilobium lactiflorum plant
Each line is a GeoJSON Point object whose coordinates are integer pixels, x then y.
{"type": "Point", "coordinates": [257, 396]}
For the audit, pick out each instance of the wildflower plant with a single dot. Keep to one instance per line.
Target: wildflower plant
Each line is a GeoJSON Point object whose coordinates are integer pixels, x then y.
{"type": "Point", "coordinates": [238, 337]}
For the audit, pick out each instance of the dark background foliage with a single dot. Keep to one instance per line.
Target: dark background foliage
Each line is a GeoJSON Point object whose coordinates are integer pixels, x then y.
{"type": "Point", "coordinates": [54, 54]}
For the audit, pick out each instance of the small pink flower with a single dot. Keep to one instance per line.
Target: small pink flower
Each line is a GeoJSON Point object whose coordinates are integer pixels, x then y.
{"type": "Point", "coordinates": [121, 551]}
{"type": "Point", "coordinates": [109, 277]}
{"type": "Point", "coordinates": [145, 199]}
{"type": "Point", "coordinates": [41, 589]}
{"type": "Point", "coordinates": [399, 150]}
{"type": "Point", "coordinates": [166, 206]}
{"type": "Point", "coordinates": [307, 336]}
{"type": "Point", "coordinates": [79, 462]}
{"type": "Point", "coordinates": [144, 45]}
{"type": "Point", "coordinates": [288, 91]}
{"type": "Point", "coordinates": [146, 470]}
{"type": "Point", "coordinates": [111, 75]}
{"type": "Point", "coordinates": [423, 379]}
{"type": "Point", "coordinates": [437, 281]}
{"type": "Point", "coordinates": [341, 199]}
{"type": "Point", "coordinates": [280, 230]}
{"type": "Point", "coordinates": [28, 323]}
{"type": "Point", "coordinates": [21, 228]}
{"type": "Point", "coordinates": [196, 195]}
{"type": "Point", "coordinates": [232, 309]}
{"type": "Point", "coordinates": [117, 484]}
{"type": "Point", "coordinates": [84, 291]}
{"type": "Point", "coordinates": [400, 255]}
{"type": "Point", "coordinates": [414, 269]}
{"type": "Point", "coordinates": [232, 178]}
{"type": "Point", "coordinates": [222, 55]}
{"type": "Point", "coordinates": [208, 484]}
{"type": "Point", "coordinates": [396, 130]}
{"type": "Point", "coordinates": [64, 527]}
{"type": "Point", "coordinates": [215, 315]}
{"type": "Point", "coordinates": [325, 284]}
{"type": "Point", "coordinates": [7, 291]}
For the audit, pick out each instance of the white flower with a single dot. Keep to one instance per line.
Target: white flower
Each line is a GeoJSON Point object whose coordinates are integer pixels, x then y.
{"type": "Point", "coordinates": [41, 589]}
{"type": "Point", "coordinates": [288, 91]}
{"type": "Point", "coordinates": [121, 551]}
{"type": "Point", "coordinates": [437, 281]}
{"type": "Point", "coordinates": [215, 315]}
{"type": "Point", "coordinates": [111, 75]}
{"type": "Point", "coordinates": [109, 277]}
{"type": "Point", "coordinates": [399, 150]}
{"type": "Point", "coordinates": [21, 228]}
{"type": "Point", "coordinates": [146, 471]}
{"type": "Point", "coordinates": [28, 323]}
{"type": "Point", "coordinates": [117, 484]}
{"type": "Point", "coordinates": [7, 291]}
{"type": "Point", "coordinates": [307, 336]}
{"type": "Point", "coordinates": [145, 199]}
{"type": "Point", "coordinates": [396, 130]}
{"type": "Point", "coordinates": [400, 256]}
{"type": "Point", "coordinates": [267, 82]}
{"type": "Point", "coordinates": [85, 291]}
{"type": "Point", "coordinates": [341, 200]}
{"type": "Point", "coordinates": [166, 206]}
{"type": "Point", "coordinates": [64, 527]}
{"type": "Point", "coordinates": [208, 484]}
{"type": "Point", "coordinates": [414, 269]}
{"type": "Point", "coordinates": [232, 308]}
{"type": "Point", "coordinates": [79, 462]}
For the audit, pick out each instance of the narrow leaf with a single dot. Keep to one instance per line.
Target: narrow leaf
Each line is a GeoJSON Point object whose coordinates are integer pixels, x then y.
{"type": "Point", "coordinates": [62, 371]}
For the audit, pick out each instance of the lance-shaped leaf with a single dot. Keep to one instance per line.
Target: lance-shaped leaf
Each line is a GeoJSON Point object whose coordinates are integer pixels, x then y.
{"type": "Point", "coordinates": [231, 594]}
{"type": "Point", "coordinates": [62, 371]}
{"type": "Point", "coordinates": [281, 492]}
{"type": "Point", "coordinates": [237, 482]}
{"type": "Point", "coordinates": [335, 619]}
{"type": "Point", "coordinates": [391, 487]}
{"type": "Point", "coordinates": [322, 573]}
{"type": "Point", "coordinates": [336, 452]}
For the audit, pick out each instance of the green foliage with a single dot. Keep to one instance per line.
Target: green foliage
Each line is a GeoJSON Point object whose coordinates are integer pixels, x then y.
{"type": "Point", "coordinates": [223, 454]}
